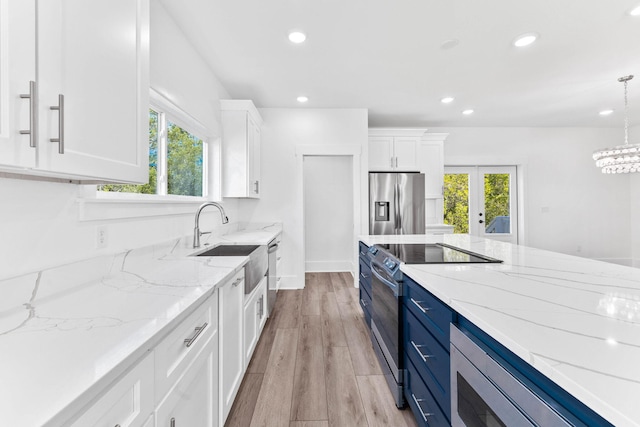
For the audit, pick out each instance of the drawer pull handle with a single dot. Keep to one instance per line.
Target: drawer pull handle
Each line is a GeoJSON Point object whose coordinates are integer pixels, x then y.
{"type": "Point", "coordinates": [198, 329]}
{"type": "Point", "coordinates": [417, 402]}
{"type": "Point", "coordinates": [364, 276]}
{"type": "Point", "coordinates": [423, 356]}
{"type": "Point", "coordinates": [419, 305]}
{"type": "Point", "coordinates": [237, 282]}
{"type": "Point", "coordinates": [172, 423]}
{"type": "Point", "coordinates": [363, 302]}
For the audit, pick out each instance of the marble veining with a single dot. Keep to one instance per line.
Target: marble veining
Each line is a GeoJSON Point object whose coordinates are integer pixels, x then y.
{"type": "Point", "coordinates": [575, 320]}
{"type": "Point", "coordinates": [67, 332]}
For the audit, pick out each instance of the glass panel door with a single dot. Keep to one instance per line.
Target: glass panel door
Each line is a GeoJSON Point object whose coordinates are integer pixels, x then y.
{"type": "Point", "coordinates": [481, 201]}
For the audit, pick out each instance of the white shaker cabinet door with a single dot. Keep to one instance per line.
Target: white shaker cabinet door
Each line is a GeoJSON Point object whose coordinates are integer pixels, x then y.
{"type": "Point", "coordinates": [93, 88]}
{"type": "Point", "coordinates": [192, 402]}
{"type": "Point", "coordinates": [381, 153]}
{"type": "Point", "coordinates": [406, 153]}
{"type": "Point", "coordinates": [230, 327]}
{"type": "Point", "coordinates": [17, 71]}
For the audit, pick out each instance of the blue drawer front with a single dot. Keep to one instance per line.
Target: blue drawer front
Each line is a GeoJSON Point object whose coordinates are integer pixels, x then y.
{"type": "Point", "coordinates": [431, 312]}
{"type": "Point", "coordinates": [423, 405]}
{"type": "Point", "coordinates": [365, 303]}
{"type": "Point", "coordinates": [362, 248]}
{"type": "Point", "coordinates": [365, 276]}
{"type": "Point", "coordinates": [430, 359]}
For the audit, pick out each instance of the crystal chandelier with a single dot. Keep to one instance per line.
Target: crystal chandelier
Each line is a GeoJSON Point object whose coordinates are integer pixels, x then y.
{"type": "Point", "coordinates": [622, 158]}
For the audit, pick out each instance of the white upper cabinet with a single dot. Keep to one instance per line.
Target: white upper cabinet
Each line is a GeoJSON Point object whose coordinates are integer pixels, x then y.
{"type": "Point", "coordinates": [394, 149]}
{"type": "Point", "coordinates": [17, 70]}
{"type": "Point", "coordinates": [241, 140]}
{"type": "Point", "coordinates": [92, 87]}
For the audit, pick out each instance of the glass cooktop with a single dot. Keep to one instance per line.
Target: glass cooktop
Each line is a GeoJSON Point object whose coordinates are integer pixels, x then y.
{"type": "Point", "coordinates": [434, 253]}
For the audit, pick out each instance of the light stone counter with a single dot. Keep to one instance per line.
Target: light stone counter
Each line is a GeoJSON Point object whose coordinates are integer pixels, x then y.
{"type": "Point", "coordinates": [68, 332]}
{"type": "Point", "coordinates": [575, 320]}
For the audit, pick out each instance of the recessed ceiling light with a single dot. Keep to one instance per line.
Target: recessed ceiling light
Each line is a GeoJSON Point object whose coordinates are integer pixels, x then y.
{"type": "Point", "coordinates": [302, 99]}
{"type": "Point", "coordinates": [297, 37]}
{"type": "Point", "coordinates": [447, 99]}
{"type": "Point", "coordinates": [635, 12]}
{"type": "Point", "coordinates": [467, 112]}
{"type": "Point", "coordinates": [525, 39]}
{"type": "Point", "coordinates": [606, 112]}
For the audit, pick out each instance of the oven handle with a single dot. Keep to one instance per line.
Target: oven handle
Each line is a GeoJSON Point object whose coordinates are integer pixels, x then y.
{"type": "Point", "coordinates": [377, 271]}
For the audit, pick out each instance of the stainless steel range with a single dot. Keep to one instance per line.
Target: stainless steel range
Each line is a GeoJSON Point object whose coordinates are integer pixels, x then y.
{"type": "Point", "coordinates": [386, 284]}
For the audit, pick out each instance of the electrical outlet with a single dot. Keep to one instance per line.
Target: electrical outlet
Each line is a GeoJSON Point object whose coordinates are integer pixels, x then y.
{"type": "Point", "coordinates": [101, 237]}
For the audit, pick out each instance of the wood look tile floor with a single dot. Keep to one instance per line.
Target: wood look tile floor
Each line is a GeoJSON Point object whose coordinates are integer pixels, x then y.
{"type": "Point", "coordinates": [314, 365]}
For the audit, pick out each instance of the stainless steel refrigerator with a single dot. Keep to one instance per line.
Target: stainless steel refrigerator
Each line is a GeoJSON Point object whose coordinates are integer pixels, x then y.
{"type": "Point", "coordinates": [396, 203]}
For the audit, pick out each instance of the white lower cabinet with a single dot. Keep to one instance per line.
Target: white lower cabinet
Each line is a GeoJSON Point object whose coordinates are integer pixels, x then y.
{"type": "Point", "coordinates": [192, 401]}
{"type": "Point", "coordinates": [231, 344]}
{"type": "Point", "coordinates": [255, 316]}
{"type": "Point", "coordinates": [192, 376]}
{"type": "Point", "coordinates": [128, 403]}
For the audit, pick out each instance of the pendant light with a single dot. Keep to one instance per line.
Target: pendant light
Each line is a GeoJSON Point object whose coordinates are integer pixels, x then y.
{"type": "Point", "coordinates": [622, 158]}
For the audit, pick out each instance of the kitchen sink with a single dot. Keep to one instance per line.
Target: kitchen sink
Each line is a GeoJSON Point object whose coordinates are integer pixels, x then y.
{"type": "Point", "coordinates": [229, 250]}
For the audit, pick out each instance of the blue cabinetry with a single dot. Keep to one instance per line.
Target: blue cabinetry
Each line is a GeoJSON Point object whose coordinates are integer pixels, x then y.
{"type": "Point", "coordinates": [426, 343]}
{"type": "Point", "coordinates": [365, 282]}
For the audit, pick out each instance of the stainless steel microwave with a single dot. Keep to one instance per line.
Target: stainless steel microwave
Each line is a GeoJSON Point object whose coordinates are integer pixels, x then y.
{"type": "Point", "coordinates": [484, 393]}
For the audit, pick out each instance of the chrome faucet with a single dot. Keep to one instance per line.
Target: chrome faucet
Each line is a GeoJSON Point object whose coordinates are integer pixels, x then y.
{"type": "Point", "coordinates": [196, 231]}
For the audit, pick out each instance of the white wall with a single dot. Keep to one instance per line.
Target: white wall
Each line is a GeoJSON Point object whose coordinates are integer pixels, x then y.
{"type": "Point", "coordinates": [282, 196]}
{"type": "Point", "coordinates": [634, 200]}
{"type": "Point", "coordinates": [569, 205]}
{"type": "Point", "coordinates": [39, 221]}
{"type": "Point", "coordinates": [328, 213]}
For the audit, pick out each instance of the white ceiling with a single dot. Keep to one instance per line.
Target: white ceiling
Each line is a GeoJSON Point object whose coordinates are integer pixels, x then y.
{"type": "Point", "coordinates": [387, 56]}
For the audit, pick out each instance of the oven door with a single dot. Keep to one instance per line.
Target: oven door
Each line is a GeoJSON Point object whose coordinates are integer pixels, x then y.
{"type": "Point", "coordinates": [386, 326]}
{"type": "Point", "coordinates": [483, 393]}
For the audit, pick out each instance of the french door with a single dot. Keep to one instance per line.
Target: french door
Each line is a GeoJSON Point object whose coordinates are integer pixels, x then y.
{"type": "Point", "coordinates": [482, 201]}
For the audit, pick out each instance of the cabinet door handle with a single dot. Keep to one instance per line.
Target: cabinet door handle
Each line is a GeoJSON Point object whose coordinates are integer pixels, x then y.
{"type": "Point", "coordinates": [364, 276]}
{"type": "Point", "coordinates": [60, 138]}
{"type": "Point", "coordinates": [423, 356]}
{"type": "Point", "coordinates": [198, 329]}
{"type": "Point", "coordinates": [237, 282]}
{"type": "Point", "coordinates": [33, 114]}
{"type": "Point", "coordinates": [363, 302]}
{"type": "Point", "coordinates": [417, 401]}
{"type": "Point", "coordinates": [396, 161]}
{"type": "Point", "coordinates": [391, 162]}
{"type": "Point", "coordinates": [418, 304]}
{"type": "Point", "coordinates": [257, 187]}
{"type": "Point", "coordinates": [172, 422]}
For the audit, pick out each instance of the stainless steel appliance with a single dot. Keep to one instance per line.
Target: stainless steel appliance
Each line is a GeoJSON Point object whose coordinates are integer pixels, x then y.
{"type": "Point", "coordinates": [396, 203]}
{"type": "Point", "coordinates": [386, 321]}
{"type": "Point", "coordinates": [434, 253]}
{"type": "Point", "coordinates": [485, 393]}
{"type": "Point", "coordinates": [272, 277]}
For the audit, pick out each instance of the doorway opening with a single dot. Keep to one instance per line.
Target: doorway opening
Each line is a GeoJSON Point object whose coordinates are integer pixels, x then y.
{"type": "Point", "coordinates": [482, 201]}
{"type": "Point", "coordinates": [328, 189]}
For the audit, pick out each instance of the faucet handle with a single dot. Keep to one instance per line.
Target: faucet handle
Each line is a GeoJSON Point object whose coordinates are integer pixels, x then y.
{"type": "Point", "coordinates": [205, 232]}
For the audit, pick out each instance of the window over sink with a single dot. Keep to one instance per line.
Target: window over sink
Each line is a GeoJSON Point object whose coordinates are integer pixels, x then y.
{"type": "Point", "coordinates": [178, 155]}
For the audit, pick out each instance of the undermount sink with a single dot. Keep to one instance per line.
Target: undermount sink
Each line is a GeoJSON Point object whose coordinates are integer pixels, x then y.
{"type": "Point", "coordinates": [229, 250]}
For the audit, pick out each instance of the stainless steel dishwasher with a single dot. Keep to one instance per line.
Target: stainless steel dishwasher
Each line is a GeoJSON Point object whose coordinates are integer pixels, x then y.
{"type": "Point", "coordinates": [272, 277]}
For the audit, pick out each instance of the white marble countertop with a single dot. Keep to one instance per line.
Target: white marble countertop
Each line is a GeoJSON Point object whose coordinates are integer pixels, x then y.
{"type": "Point", "coordinates": [575, 320]}
{"type": "Point", "coordinates": [68, 332]}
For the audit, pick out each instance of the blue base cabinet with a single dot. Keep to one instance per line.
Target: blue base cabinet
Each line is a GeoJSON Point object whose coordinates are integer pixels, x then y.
{"type": "Point", "coordinates": [365, 283]}
{"type": "Point", "coordinates": [426, 322]}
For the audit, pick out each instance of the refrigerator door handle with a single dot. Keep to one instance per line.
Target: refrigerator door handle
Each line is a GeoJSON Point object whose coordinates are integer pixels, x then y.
{"type": "Point", "coordinates": [397, 213]}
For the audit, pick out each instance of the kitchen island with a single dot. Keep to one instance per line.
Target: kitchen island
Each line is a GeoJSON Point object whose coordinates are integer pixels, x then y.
{"type": "Point", "coordinates": [575, 320]}
{"type": "Point", "coordinates": [68, 333]}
